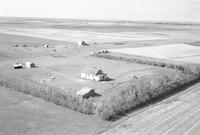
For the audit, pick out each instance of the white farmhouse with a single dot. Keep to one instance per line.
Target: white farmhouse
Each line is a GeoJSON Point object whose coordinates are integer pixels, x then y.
{"type": "Point", "coordinates": [93, 73]}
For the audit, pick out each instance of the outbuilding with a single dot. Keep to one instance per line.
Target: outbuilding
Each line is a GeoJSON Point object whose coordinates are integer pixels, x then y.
{"type": "Point", "coordinates": [103, 51]}
{"type": "Point", "coordinates": [46, 46]}
{"type": "Point", "coordinates": [93, 73]}
{"type": "Point", "coordinates": [30, 65]}
{"type": "Point", "coordinates": [86, 92]}
{"type": "Point", "coordinates": [82, 43]}
{"type": "Point", "coordinates": [17, 65]}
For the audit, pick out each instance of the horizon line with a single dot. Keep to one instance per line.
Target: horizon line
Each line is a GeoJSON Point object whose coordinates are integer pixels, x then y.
{"type": "Point", "coordinates": [109, 20]}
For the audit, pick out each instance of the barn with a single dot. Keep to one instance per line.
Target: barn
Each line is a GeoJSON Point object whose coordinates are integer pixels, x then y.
{"type": "Point", "coordinates": [86, 92]}
{"type": "Point", "coordinates": [93, 73]}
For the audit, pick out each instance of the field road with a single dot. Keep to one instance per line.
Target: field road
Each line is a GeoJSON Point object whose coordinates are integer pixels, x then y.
{"type": "Point", "coordinates": [177, 115]}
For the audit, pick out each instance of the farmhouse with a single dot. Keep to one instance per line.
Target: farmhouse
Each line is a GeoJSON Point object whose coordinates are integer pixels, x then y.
{"type": "Point", "coordinates": [93, 73]}
{"type": "Point", "coordinates": [86, 92]}
{"type": "Point", "coordinates": [30, 65]}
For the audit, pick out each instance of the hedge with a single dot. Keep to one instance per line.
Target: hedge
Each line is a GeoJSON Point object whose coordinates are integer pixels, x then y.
{"type": "Point", "coordinates": [140, 91]}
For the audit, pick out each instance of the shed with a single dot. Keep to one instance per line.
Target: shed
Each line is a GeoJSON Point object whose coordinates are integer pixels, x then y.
{"type": "Point", "coordinates": [92, 53]}
{"type": "Point", "coordinates": [30, 64]}
{"type": "Point", "coordinates": [82, 43]}
{"type": "Point", "coordinates": [46, 46]}
{"type": "Point", "coordinates": [86, 92]}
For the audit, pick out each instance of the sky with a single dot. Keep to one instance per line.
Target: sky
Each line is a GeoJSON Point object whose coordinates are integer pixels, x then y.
{"type": "Point", "coordinates": [136, 10]}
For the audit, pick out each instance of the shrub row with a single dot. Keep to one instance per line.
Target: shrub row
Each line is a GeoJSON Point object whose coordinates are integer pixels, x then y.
{"type": "Point", "coordinates": [53, 95]}
{"type": "Point", "coordinates": [185, 68]}
{"type": "Point", "coordinates": [140, 91]}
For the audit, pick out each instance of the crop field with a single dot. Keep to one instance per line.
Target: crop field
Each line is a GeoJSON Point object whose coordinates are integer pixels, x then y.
{"type": "Point", "coordinates": [59, 65]}
{"type": "Point", "coordinates": [180, 52]}
{"type": "Point", "coordinates": [76, 35]}
{"type": "Point", "coordinates": [180, 114]}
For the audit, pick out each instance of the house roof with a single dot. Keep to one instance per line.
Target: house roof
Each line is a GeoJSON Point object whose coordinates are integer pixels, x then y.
{"type": "Point", "coordinates": [17, 65]}
{"type": "Point", "coordinates": [29, 63]}
{"type": "Point", "coordinates": [91, 70]}
{"type": "Point", "coordinates": [84, 91]}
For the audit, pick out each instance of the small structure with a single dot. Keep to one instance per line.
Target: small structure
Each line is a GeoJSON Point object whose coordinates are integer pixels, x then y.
{"type": "Point", "coordinates": [17, 65]}
{"type": "Point", "coordinates": [24, 45]}
{"type": "Point", "coordinates": [103, 51]}
{"type": "Point", "coordinates": [46, 46]}
{"type": "Point", "coordinates": [86, 92]}
{"type": "Point", "coordinates": [16, 45]}
{"type": "Point", "coordinates": [30, 65]}
{"type": "Point", "coordinates": [135, 77]}
{"type": "Point", "coordinates": [93, 73]}
{"type": "Point", "coordinates": [82, 43]}
{"type": "Point", "coordinates": [92, 53]}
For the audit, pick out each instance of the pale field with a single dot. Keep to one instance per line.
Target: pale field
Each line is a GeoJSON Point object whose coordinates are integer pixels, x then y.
{"type": "Point", "coordinates": [177, 52]}
{"type": "Point", "coordinates": [77, 35]}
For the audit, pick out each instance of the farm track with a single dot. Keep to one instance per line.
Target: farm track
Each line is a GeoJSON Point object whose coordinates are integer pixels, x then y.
{"type": "Point", "coordinates": [176, 115]}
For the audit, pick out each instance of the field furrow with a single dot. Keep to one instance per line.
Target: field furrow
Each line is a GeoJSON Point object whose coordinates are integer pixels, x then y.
{"type": "Point", "coordinates": [175, 115]}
